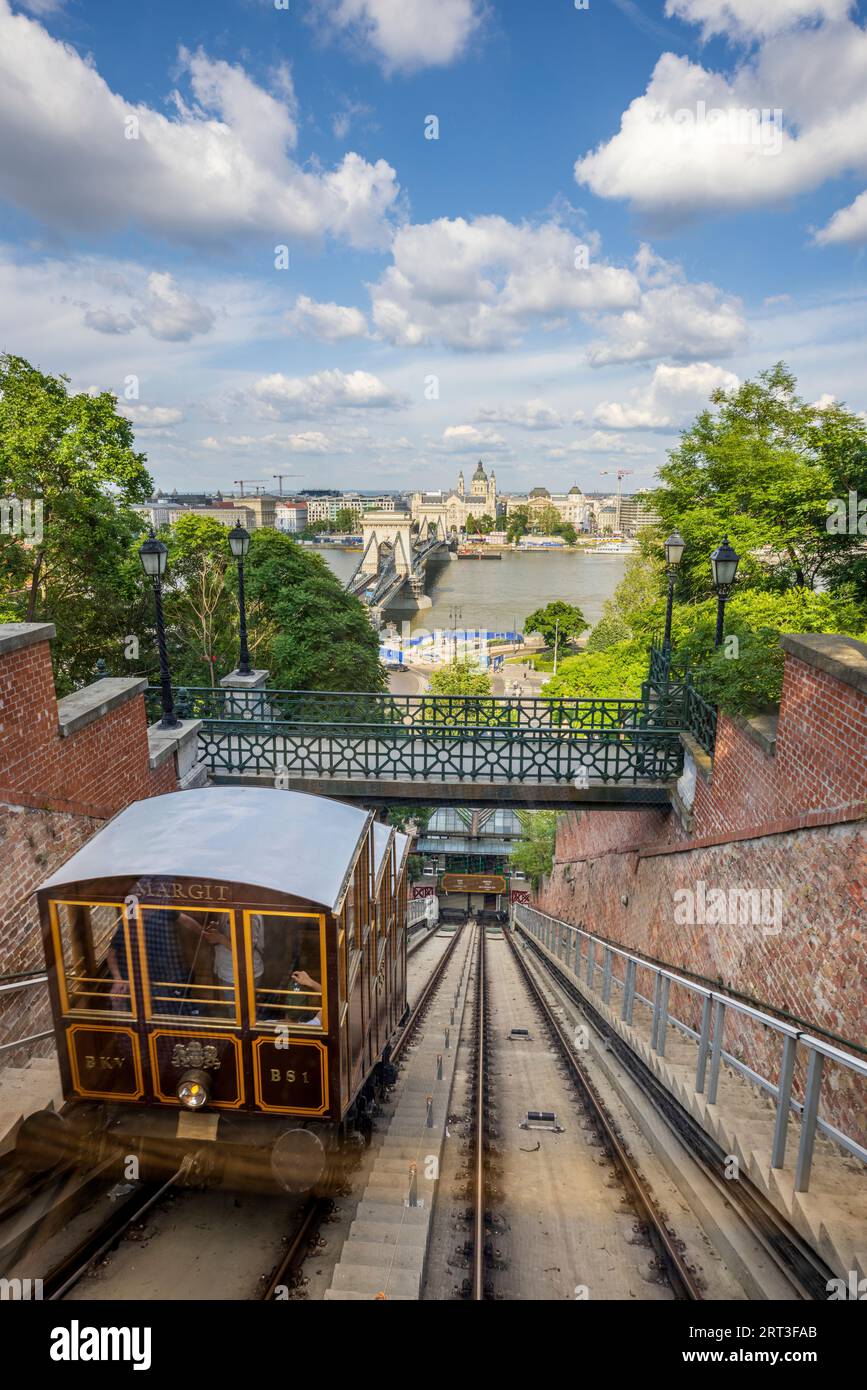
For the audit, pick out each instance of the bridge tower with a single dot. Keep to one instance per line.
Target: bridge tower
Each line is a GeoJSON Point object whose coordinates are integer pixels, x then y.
{"type": "Point", "coordinates": [387, 528]}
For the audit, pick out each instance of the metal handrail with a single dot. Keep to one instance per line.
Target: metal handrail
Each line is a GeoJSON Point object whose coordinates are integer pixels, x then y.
{"type": "Point", "coordinates": [552, 935]}
{"type": "Point", "coordinates": [35, 979]}
{"type": "Point", "coordinates": [27, 982]}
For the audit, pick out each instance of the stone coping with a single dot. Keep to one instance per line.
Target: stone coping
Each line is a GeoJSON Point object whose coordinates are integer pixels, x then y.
{"type": "Point", "coordinates": [760, 729]}
{"type": "Point", "coordinates": [94, 701]}
{"type": "Point", "coordinates": [164, 743]}
{"type": "Point", "coordinates": [14, 636]}
{"type": "Point", "coordinates": [845, 658]}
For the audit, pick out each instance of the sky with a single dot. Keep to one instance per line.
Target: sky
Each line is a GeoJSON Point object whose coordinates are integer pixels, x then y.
{"type": "Point", "coordinates": [364, 243]}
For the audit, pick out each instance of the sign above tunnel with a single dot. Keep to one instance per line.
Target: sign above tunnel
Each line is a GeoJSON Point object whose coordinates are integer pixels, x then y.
{"type": "Point", "coordinates": [474, 883]}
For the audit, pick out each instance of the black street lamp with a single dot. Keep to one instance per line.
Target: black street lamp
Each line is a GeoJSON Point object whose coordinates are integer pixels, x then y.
{"type": "Point", "coordinates": [724, 563]}
{"type": "Point", "coordinates": [153, 560]}
{"type": "Point", "coordinates": [239, 541]}
{"type": "Point", "coordinates": [674, 548]}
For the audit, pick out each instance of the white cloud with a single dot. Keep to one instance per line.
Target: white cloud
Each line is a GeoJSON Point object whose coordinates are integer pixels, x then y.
{"type": "Point", "coordinates": [534, 415]}
{"type": "Point", "coordinates": [109, 321]}
{"type": "Point", "coordinates": [462, 438]}
{"type": "Point", "coordinates": [699, 142]}
{"type": "Point", "coordinates": [754, 18]}
{"type": "Point", "coordinates": [218, 168]}
{"type": "Point", "coordinates": [282, 397]}
{"type": "Point", "coordinates": [311, 442]}
{"type": "Point", "coordinates": [332, 322]}
{"type": "Point", "coordinates": [671, 399]}
{"type": "Point", "coordinates": [601, 443]}
{"type": "Point", "coordinates": [847, 225]}
{"type": "Point", "coordinates": [478, 284]}
{"type": "Point", "coordinates": [170, 314]}
{"type": "Point", "coordinates": [674, 319]}
{"type": "Point", "coordinates": [149, 417]}
{"type": "Point", "coordinates": [405, 35]}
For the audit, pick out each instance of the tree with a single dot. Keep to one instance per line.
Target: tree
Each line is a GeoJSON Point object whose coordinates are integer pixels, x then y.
{"type": "Point", "coordinates": [460, 678]}
{"type": "Point", "coordinates": [568, 533]}
{"type": "Point", "coordinates": [346, 521]}
{"type": "Point", "coordinates": [534, 852]}
{"type": "Point", "coordinates": [406, 818]}
{"type": "Point", "coordinates": [518, 524]}
{"type": "Point", "coordinates": [764, 467]}
{"type": "Point", "coordinates": [616, 673]}
{"type": "Point", "coordinates": [200, 606]}
{"type": "Point", "coordinates": [74, 455]}
{"type": "Point", "coordinates": [547, 521]}
{"type": "Point", "coordinates": [562, 620]}
{"type": "Point", "coordinates": [315, 636]}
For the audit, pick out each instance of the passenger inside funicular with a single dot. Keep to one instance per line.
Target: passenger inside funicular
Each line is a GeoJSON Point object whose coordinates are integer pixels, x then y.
{"type": "Point", "coordinates": [291, 982]}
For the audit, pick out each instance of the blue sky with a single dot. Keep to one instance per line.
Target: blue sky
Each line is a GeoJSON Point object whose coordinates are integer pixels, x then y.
{"type": "Point", "coordinates": [604, 230]}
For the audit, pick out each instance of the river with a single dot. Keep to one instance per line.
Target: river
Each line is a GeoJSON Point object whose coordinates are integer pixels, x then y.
{"type": "Point", "coordinates": [497, 595]}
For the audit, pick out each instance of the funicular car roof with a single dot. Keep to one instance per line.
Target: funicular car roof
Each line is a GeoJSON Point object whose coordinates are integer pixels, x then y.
{"type": "Point", "coordinates": [382, 838]}
{"type": "Point", "coordinates": [289, 842]}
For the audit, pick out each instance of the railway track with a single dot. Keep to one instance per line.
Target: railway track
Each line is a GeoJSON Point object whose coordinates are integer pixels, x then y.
{"type": "Point", "coordinates": [802, 1268]}
{"type": "Point", "coordinates": [670, 1263]}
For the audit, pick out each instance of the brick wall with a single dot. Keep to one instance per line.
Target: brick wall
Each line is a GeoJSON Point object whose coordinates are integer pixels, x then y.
{"type": "Point", "coordinates": [781, 810]}
{"type": "Point", "coordinates": [65, 768]}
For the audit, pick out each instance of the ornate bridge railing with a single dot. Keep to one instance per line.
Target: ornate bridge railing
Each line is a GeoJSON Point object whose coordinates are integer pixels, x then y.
{"type": "Point", "coordinates": [671, 690]}
{"type": "Point", "coordinates": [440, 752]}
{"type": "Point", "coordinates": [420, 711]}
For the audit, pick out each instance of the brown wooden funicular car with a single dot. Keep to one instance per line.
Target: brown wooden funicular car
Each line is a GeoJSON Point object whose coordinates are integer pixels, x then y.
{"type": "Point", "coordinates": [227, 968]}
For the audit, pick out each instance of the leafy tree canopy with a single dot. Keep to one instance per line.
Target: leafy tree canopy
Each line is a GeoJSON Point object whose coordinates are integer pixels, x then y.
{"type": "Point", "coordinates": [460, 678]}
{"type": "Point", "coordinates": [534, 852]}
{"type": "Point", "coordinates": [557, 617]}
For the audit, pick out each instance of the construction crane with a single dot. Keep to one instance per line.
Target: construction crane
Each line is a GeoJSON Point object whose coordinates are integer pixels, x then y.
{"type": "Point", "coordinates": [621, 474]}
{"type": "Point", "coordinates": [281, 476]}
{"type": "Point", "coordinates": [249, 482]}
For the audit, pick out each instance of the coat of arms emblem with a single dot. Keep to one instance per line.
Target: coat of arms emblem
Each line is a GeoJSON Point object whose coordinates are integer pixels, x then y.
{"type": "Point", "coordinates": [195, 1055]}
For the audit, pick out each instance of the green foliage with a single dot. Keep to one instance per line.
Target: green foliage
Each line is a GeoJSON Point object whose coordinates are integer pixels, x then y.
{"type": "Point", "coordinates": [518, 524]}
{"type": "Point", "coordinates": [615, 673]}
{"type": "Point", "coordinates": [74, 453]}
{"type": "Point", "coordinates": [565, 618]}
{"type": "Point", "coordinates": [763, 468]}
{"type": "Point", "coordinates": [346, 522]}
{"type": "Point", "coordinates": [480, 526]}
{"type": "Point", "coordinates": [611, 628]}
{"type": "Point", "coordinates": [534, 852]}
{"type": "Point", "coordinates": [745, 675]}
{"type": "Point", "coordinates": [407, 817]}
{"type": "Point", "coordinates": [460, 678]}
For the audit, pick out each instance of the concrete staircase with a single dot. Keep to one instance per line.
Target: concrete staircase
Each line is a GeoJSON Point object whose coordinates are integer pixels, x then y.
{"type": "Point", "coordinates": [35, 1086]}
{"type": "Point", "coordinates": [832, 1216]}
{"type": "Point", "coordinates": [386, 1250]}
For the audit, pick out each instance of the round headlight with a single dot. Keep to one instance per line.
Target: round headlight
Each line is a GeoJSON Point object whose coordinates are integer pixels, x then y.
{"type": "Point", "coordinates": [194, 1089]}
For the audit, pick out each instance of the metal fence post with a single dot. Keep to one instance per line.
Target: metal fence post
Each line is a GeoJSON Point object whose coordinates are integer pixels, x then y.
{"type": "Point", "coordinates": [606, 974]}
{"type": "Point", "coordinates": [629, 992]}
{"type": "Point", "coordinates": [716, 1051]}
{"type": "Point", "coordinates": [663, 1015]}
{"type": "Point", "coordinates": [808, 1121]}
{"type": "Point", "coordinates": [591, 960]}
{"type": "Point", "coordinates": [657, 987]}
{"type": "Point", "coordinates": [703, 1043]}
{"type": "Point", "coordinates": [784, 1096]}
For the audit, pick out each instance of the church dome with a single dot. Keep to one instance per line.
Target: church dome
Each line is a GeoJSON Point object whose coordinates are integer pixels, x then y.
{"type": "Point", "coordinates": [480, 476]}
{"type": "Point", "coordinates": [575, 492]}
{"type": "Point", "coordinates": [540, 492]}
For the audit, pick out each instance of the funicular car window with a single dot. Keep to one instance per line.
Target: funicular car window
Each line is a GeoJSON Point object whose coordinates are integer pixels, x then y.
{"type": "Point", "coordinates": [188, 962]}
{"type": "Point", "coordinates": [287, 986]}
{"type": "Point", "coordinates": [92, 947]}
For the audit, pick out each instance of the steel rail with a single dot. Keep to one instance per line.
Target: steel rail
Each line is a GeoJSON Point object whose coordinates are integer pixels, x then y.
{"type": "Point", "coordinates": [312, 1213]}
{"type": "Point", "coordinates": [424, 999]}
{"type": "Point", "coordinates": [75, 1265]}
{"type": "Point", "coordinates": [479, 1183]}
{"type": "Point", "coordinates": [680, 1276]}
{"type": "Point", "coordinates": [802, 1266]}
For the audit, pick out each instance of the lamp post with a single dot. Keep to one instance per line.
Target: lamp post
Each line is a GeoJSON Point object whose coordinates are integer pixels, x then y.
{"type": "Point", "coordinates": [674, 548]}
{"type": "Point", "coordinates": [239, 542]}
{"type": "Point", "coordinates": [724, 564]}
{"type": "Point", "coordinates": [153, 559]}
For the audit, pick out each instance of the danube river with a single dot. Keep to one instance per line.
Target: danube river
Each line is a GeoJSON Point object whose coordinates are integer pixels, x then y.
{"type": "Point", "coordinates": [497, 595]}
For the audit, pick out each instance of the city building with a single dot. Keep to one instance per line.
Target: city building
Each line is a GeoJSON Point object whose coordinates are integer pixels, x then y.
{"type": "Point", "coordinates": [326, 506]}
{"type": "Point", "coordinates": [290, 516]}
{"type": "Point", "coordinates": [572, 506]}
{"type": "Point", "coordinates": [465, 846]}
{"type": "Point", "coordinates": [453, 509]}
